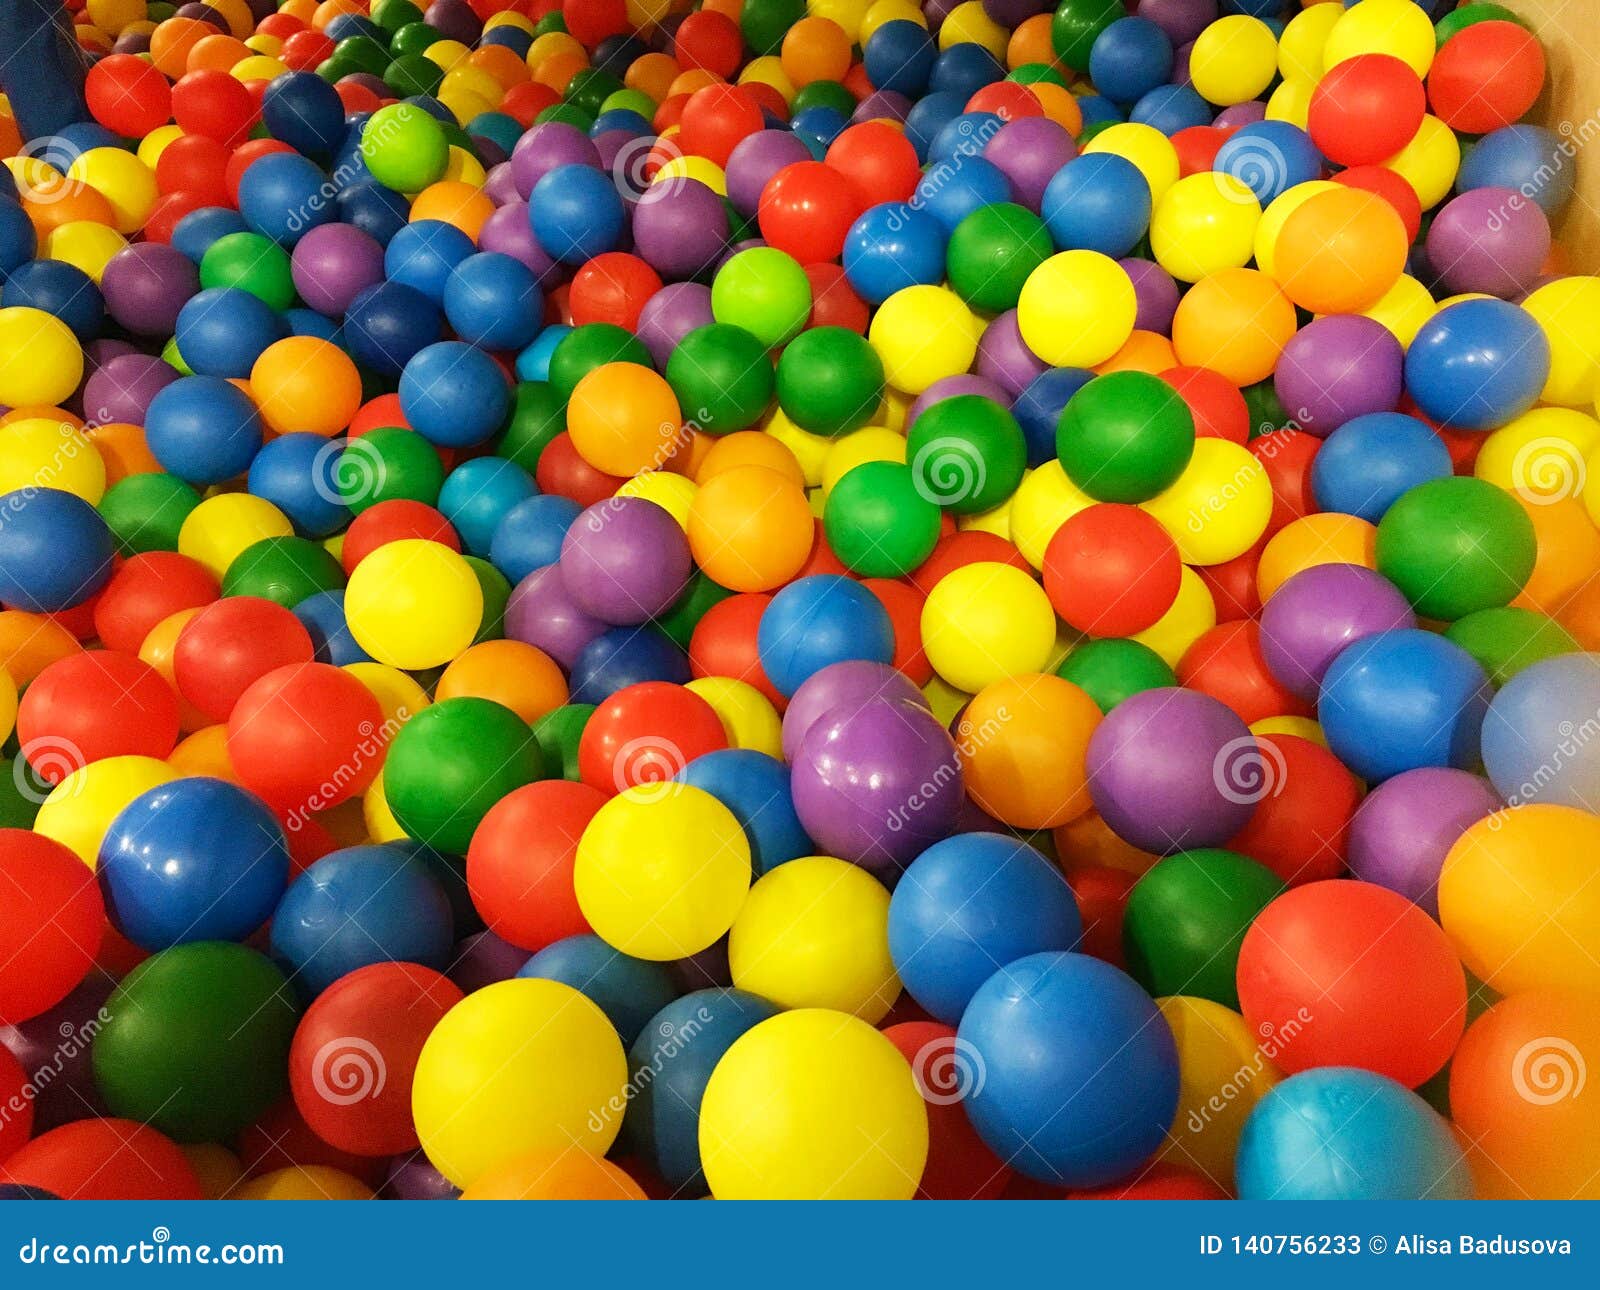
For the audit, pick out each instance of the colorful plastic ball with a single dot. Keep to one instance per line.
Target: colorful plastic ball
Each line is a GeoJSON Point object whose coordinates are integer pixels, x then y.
{"type": "Point", "coordinates": [829, 381]}
{"type": "Point", "coordinates": [899, 56]}
{"type": "Point", "coordinates": [755, 787]}
{"type": "Point", "coordinates": [1343, 1134]}
{"type": "Point", "coordinates": [984, 622]}
{"type": "Point", "coordinates": [1321, 611]}
{"type": "Point", "coordinates": [922, 334]}
{"type": "Point", "coordinates": [967, 453]}
{"type": "Point", "coordinates": [1340, 251]}
{"type": "Point", "coordinates": [722, 374]}
{"type": "Point", "coordinates": [1397, 700]}
{"type": "Point", "coordinates": [1111, 570]}
{"type": "Point", "coordinates": [529, 535]}
{"type": "Point", "coordinates": [223, 330]}
{"type": "Point", "coordinates": [1111, 670]}
{"type": "Point", "coordinates": [1456, 545]}
{"type": "Point", "coordinates": [519, 863]}
{"type": "Point", "coordinates": [880, 520]}
{"type": "Point", "coordinates": [1478, 364]}
{"type": "Point", "coordinates": [101, 1158]}
{"type": "Point", "coordinates": [576, 212]}
{"type": "Point", "coordinates": [1406, 826]}
{"type": "Point", "coordinates": [203, 429]}
{"type": "Point", "coordinates": [1486, 76]}
{"type": "Point", "coordinates": [55, 550]}
{"type": "Point", "coordinates": [61, 290]}
{"type": "Point", "coordinates": [1366, 109]}
{"type": "Point", "coordinates": [1372, 460]}
{"type": "Point", "coordinates": [765, 291]}
{"type": "Point", "coordinates": [281, 197]}
{"type": "Point", "coordinates": [404, 148]}
{"type": "Point", "coordinates": [50, 929]}
{"type": "Point", "coordinates": [453, 395]}
{"type": "Point", "coordinates": [1125, 437]}
{"type": "Point", "coordinates": [820, 620]}
{"type": "Point", "coordinates": [423, 255]}
{"type": "Point", "coordinates": [1076, 309]}
{"type": "Point", "coordinates": [1130, 58]}
{"type": "Point", "coordinates": [807, 208]}
{"type": "Point", "coordinates": [893, 246]}
{"type": "Point", "coordinates": [128, 95]}
{"type": "Point", "coordinates": [1338, 368]}
{"type": "Point", "coordinates": [413, 604]}
{"type": "Point", "coordinates": [493, 301]}
{"type": "Point", "coordinates": [1097, 202]}
{"type": "Point", "coordinates": [1527, 747]}
{"type": "Point", "coordinates": [629, 991]}
{"type": "Point", "coordinates": [1489, 240]}
{"type": "Point", "coordinates": [951, 189]}
{"type": "Point", "coordinates": [784, 1110]}
{"type": "Point", "coordinates": [992, 252]}
{"type": "Point", "coordinates": [646, 734]}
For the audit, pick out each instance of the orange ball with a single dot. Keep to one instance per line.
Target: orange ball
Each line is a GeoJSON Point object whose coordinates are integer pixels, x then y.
{"type": "Point", "coordinates": [1143, 351]}
{"type": "Point", "coordinates": [1089, 842]}
{"type": "Point", "coordinates": [501, 64]}
{"type": "Point", "coordinates": [1567, 552]}
{"type": "Point", "coordinates": [652, 74]}
{"type": "Point", "coordinates": [171, 42]}
{"type": "Point", "coordinates": [53, 201]}
{"type": "Point", "coordinates": [1581, 615]}
{"type": "Point", "coordinates": [1324, 538]}
{"type": "Point", "coordinates": [123, 449]}
{"type": "Point", "coordinates": [624, 418]}
{"type": "Point", "coordinates": [559, 68]}
{"type": "Point", "coordinates": [1340, 251]}
{"type": "Point", "coordinates": [516, 676]}
{"type": "Point", "coordinates": [303, 383]}
{"type": "Point", "coordinates": [815, 49]}
{"type": "Point", "coordinates": [749, 448]}
{"type": "Point", "coordinates": [29, 643]}
{"type": "Point", "coordinates": [454, 202]}
{"type": "Point", "coordinates": [217, 53]}
{"type": "Point", "coordinates": [571, 1174]}
{"type": "Point", "coordinates": [1022, 743]}
{"type": "Point", "coordinates": [1235, 322]}
{"type": "Point", "coordinates": [1031, 43]}
{"type": "Point", "coordinates": [157, 649]}
{"type": "Point", "coordinates": [1059, 105]}
{"type": "Point", "coordinates": [205, 752]}
{"type": "Point", "coordinates": [750, 528]}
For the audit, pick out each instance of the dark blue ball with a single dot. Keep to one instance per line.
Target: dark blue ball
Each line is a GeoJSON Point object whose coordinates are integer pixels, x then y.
{"type": "Point", "coordinates": [422, 256]}
{"type": "Point", "coordinates": [60, 289]}
{"type": "Point", "coordinates": [453, 394]}
{"type": "Point", "coordinates": [964, 69]}
{"type": "Point", "coordinates": [626, 656]}
{"type": "Point", "coordinates": [576, 212]}
{"type": "Point", "coordinates": [494, 301]}
{"type": "Point", "coordinates": [304, 111]}
{"type": "Point", "coordinates": [196, 231]}
{"type": "Point", "coordinates": [1038, 408]}
{"type": "Point", "coordinates": [755, 787]}
{"type": "Point", "coordinates": [284, 196]}
{"type": "Point", "coordinates": [55, 550]}
{"type": "Point", "coordinates": [899, 56]}
{"type": "Point", "coordinates": [389, 324]}
{"type": "Point", "coordinates": [222, 330]}
{"type": "Point", "coordinates": [529, 535]}
{"type": "Point", "coordinates": [322, 615]}
{"type": "Point", "coordinates": [629, 991]}
{"type": "Point", "coordinates": [18, 241]}
{"type": "Point", "coordinates": [377, 211]}
{"type": "Point", "coordinates": [203, 429]}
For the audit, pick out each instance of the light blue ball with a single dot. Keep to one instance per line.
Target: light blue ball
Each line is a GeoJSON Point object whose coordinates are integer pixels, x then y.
{"type": "Point", "coordinates": [1541, 735]}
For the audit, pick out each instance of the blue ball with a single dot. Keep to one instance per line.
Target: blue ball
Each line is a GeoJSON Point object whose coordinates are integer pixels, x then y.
{"type": "Point", "coordinates": [624, 119]}
{"type": "Point", "coordinates": [1398, 700]}
{"type": "Point", "coordinates": [494, 301]}
{"type": "Point", "coordinates": [1478, 364]}
{"type": "Point", "coordinates": [388, 324]}
{"type": "Point", "coordinates": [476, 496]}
{"type": "Point", "coordinates": [968, 906]}
{"type": "Point", "coordinates": [192, 860]}
{"type": "Point", "coordinates": [533, 364]}
{"type": "Point", "coordinates": [755, 787]}
{"type": "Point", "coordinates": [815, 621]}
{"type": "Point", "coordinates": [1129, 59]}
{"type": "Point", "coordinates": [929, 115]}
{"type": "Point", "coordinates": [513, 38]}
{"type": "Point", "coordinates": [18, 241]}
{"type": "Point", "coordinates": [503, 131]}
{"type": "Point", "coordinates": [952, 190]}
{"type": "Point", "coordinates": [284, 196]}
{"type": "Point", "coordinates": [821, 123]}
{"type": "Point", "coordinates": [453, 395]}
{"type": "Point", "coordinates": [423, 255]}
{"type": "Point", "coordinates": [964, 136]}
{"type": "Point", "coordinates": [377, 211]}
{"type": "Point", "coordinates": [295, 472]}
{"type": "Point", "coordinates": [196, 231]}
{"type": "Point", "coordinates": [1527, 159]}
{"type": "Point", "coordinates": [55, 550]}
{"type": "Point", "coordinates": [626, 656]}
{"type": "Point", "coordinates": [1269, 158]}
{"type": "Point", "coordinates": [892, 246]}
{"type": "Point", "coordinates": [964, 69]}
{"type": "Point", "coordinates": [1099, 110]}
{"type": "Point", "coordinates": [221, 331]}
{"type": "Point", "coordinates": [628, 990]}
{"type": "Point", "coordinates": [1532, 750]}
{"type": "Point", "coordinates": [203, 429]}
{"type": "Point", "coordinates": [1080, 1072]}
{"type": "Point", "coordinates": [1364, 465]}
{"type": "Point", "coordinates": [71, 141]}
{"type": "Point", "coordinates": [899, 57]}
{"type": "Point", "coordinates": [305, 112]}
{"type": "Point", "coordinates": [1336, 1133]}
{"type": "Point", "coordinates": [576, 213]}
{"type": "Point", "coordinates": [356, 907]}
{"type": "Point", "coordinates": [59, 289]}
{"type": "Point", "coordinates": [322, 615]}
{"type": "Point", "coordinates": [1097, 202]}
{"type": "Point", "coordinates": [670, 1065]}
{"type": "Point", "coordinates": [1040, 405]}
{"type": "Point", "coordinates": [308, 322]}
{"type": "Point", "coordinates": [529, 535]}
{"type": "Point", "coordinates": [1170, 108]}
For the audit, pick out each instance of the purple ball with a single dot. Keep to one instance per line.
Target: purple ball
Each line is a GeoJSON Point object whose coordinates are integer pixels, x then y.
{"type": "Point", "coordinates": [1406, 826]}
{"type": "Point", "coordinates": [452, 19]}
{"type": "Point", "coordinates": [756, 159]}
{"type": "Point", "coordinates": [1004, 357]}
{"type": "Point", "coordinates": [483, 959]}
{"type": "Point", "coordinates": [670, 315]}
{"type": "Point", "coordinates": [1337, 368]}
{"type": "Point", "coordinates": [1319, 612]}
{"type": "Point", "coordinates": [936, 11]}
{"type": "Point", "coordinates": [1011, 14]}
{"type": "Point", "coordinates": [333, 264]}
{"type": "Point", "coordinates": [1171, 769]}
{"type": "Point", "coordinates": [680, 228]}
{"type": "Point", "coordinates": [132, 42]}
{"type": "Point", "coordinates": [848, 683]}
{"type": "Point", "coordinates": [881, 105]}
{"type": "Point", "coordinates": [500, 185]}
{"type": "Point", "coordinates": [121, 389]}
{"type": "Point", "coordinates": [1155, 292]}
{"type": "Point", "coordinates": [411, 1177]}
{"type": "Point", "coordinates": [145, 285]}
{"type": "Point", "coordinates": [547, 147]}
{"type": "Point", "coordinates": [623, 144]}
{"type": "Point", "coordinates": [1182, 20]}
{"type": "Point", "coordinates": [53, 1051]}
{"type": "Point", "coordinates": [541, 613]}
{"type": "Point", "coordinates": [367, 81]}
{"type": "Point", "coordinates": [1028, 152]}
{"type": "Point", "coordinates": [1492, 240]}
{"type": "Point", "coordinates": [707, 970]}
{"type": "Point", "coordinates": [1246, 113]}
{"type": "Point", "coordinates": [947, 387]}
{"type": "Point", "coordinates": [508, 232]}
{"type": "Point", "coordinates": [877, 783]}
{"type": "Point", "coordinates": [625, 560]}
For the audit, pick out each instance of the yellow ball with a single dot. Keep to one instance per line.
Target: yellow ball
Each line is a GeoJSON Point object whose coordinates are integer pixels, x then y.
{"type": "Point", "coordinates": [970, 24]}
{"type": "Point", "coordinates": [81, 807]}
{"type": "Point", "coordinates": [41, 361]}
{"type": "Point", "coordinates": [987, 621]}
{"type": "Point", "coordinates": [1291, 102]}
{"type": "Point", "coordinates": [813, 1105]}
{"type": "Point", "coordinates": [1191, 615]}
{"type": "Point", "coordinates": [111, 16]}
{"type": "Point", "coordinates": [413, 604]}
{"type": "Point", "coordinates": [849, 14]}
{"type": "Point", "coordinates": [1403, 308]}
{"type": "Point", "coordinates": [923, 334]}
{"type": "Point", "coordinates": [1150, 152]}
{"type": "Point", "coordinates": [810, 450]}
{"type": "Point", "coordinates": [1219, 507]}
{"type": "Point", "coordinates": [377, 815]}
{"type": "Point", "coordinates": [1400, 28]}
{"type": "Point", "coordinates": [1566, 311]}
{"type": "Point", "coordinates": [1044, 501]}
{"type": "Point", "coordinates": [8, 705]}
{"type": "Point", "coordinates": [870, 443]}
{"type": "Point", "coordinates": [1543, 453]}
{"type": "Point", "coordinates": [672, 492]}
{"type": "Point", "coordinates": [1301, 46]}
{"type": "Point", "coordinates": [814, 933]}
{"type": "Point", "coordinates": [643, 13]}
{"type": "Point", "coordinates": [1278, 210]}
{"type": "Point", "coordinates": [461, 166]}
{"type": "Point", "coordinates": [693, 167]}
{"type": "Point", "coordinates": [746, 714]}
{"type": "Point", "coordinates": [85, 245]}
{"type": "Point", "coordinates": [516, 1067]}
{"type": "Point", "coordinates": [40, 452]}
{"type": "Point", "coordinates": [155, 143]}
{"type": "Point", "coordinates": [1077, 309]}
{"type": "Point", "coordinates": [1300, 727]}
{"type": "Point", "coordinates": [258, 67]}
{"type": "Point", "coordinates": [882, 11]}
{"type": "Point", "coordinates": [1233, 60]}
{"type": "Point", "coordinates": [446, 53]}
{"type": "Point", "coordinates": [1205, 223]}
{"type": "Point", "coordinates": [302, 1182]}
{"type": "Point", "coordinates": [768, 70]}
{"type": "Point", "coordinates": [1430, 161]}
{"type": "Point", "coordinates": [662, 870]}
{"type": "Point", "coordinates": [399, 695]}
{"type": "Point", "coordinates": [218, 529]}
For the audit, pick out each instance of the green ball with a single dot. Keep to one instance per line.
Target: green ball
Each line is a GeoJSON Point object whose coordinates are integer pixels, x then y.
{"type": "Point", "coordinates": [284, 570]}
{"type": "Point", "coordinates": [764, 291]}
{"type": "Point", "coordinates": [830, 380]}
{"type": "Point", "coordinates": [172, 358]}
{"type": "Point", "coordinates": [589, 88]}
{"type": "Point", "coordinates": [766, 22]}
{"type": "Point", "coordinates": [968, 453]}
{"type": "Point", "coordinates": [558, 733]}
{"type": "Point", "coordinates": [829, 94]}
{"type": "Point", "coordinates": [1459, 19]}
{"type": "Point", "coordinates": [387, 464]}
{"type": "Point", "coordinates": [992, 252]}
{"type": "Point", "coordinates": [251, 262]}
{"type": "Point", "coordinates": [496, 593]}
{"type": "Point", "coordinates": [538, 415]}
{"type": "Point", "coordinates": [1454, 546]}
{"type": "Point", "coordinates": [722, 376]}
{"type": "Point", "coordinates": [1186, 919]}
{"type": "Point", "coordinates": [362, 54]}
{"type": "Point", "coordinates": [1077, 25]}
{"type": "Point", "coordinates": [631, 101]}
{"type": "Point", "coordinates": [146, 512]}
{"type": "Point", "coordinates": [567, 114]}
{"type": "Point", "coordinates": [590, 346]}
{"type": "Point", "coordinates": [878, 520]}
{"type": "Point", "coordinates": [21, 794]}
{"type": "Point", "coordinates": [196, 1041]}
{"type": "Point", "coordinates": [1036, 74]}
{"type": "Point", "coordinates": [1506, 640]}
{"type": "Point", "coordinates": [1125, 437]}
{"type": "Point", "coordinates": [404, 147]}
{"type": "Point", "coordinates": [392, 15]}
{"type": "Point", "coordinates": [412, 75]}
{"type": "Point", "coordinates": [1266, 410]}
{"type": "Point", "coordinates": [453, 761]}
{"type": "Point", "coordinates": [1114, 669]}
{"type": "Point", "coordinates": [413, 38]}
{"type": "Point", "coordinates": [552, 21]}
{"type": "Point", "coordinates": [679, 622]}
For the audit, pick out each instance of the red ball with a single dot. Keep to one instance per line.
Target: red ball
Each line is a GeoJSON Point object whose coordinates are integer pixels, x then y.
{"type": "Point", "coordinates": [879, 159]}
{"type": "Point", "coordinates": [392, 521]}
{"type": "Point", "coordinates": [709, 40]}
{"type": "Point", "coordinates": [1215, 403]}
{"type": "Point", "coordinates": [214, 104]}
{"type": "Point", "coordinates": [1197, 147]}
{"type": "Point", "coordinates": [145, 589]}
{"type": "Point", "coordinates": [591, 21]}
{"type": "Point", "coordinates": [1486, 76]}
{"type": "Point", "coordinates": [519, 866]}
{"type": "Point", "coordinates": [612, 288]}
{"type": "Point", "coordinates": [646, 734]}
{"type": "Point", "coordinates": [104, 1159]}
{"type": "Point", "coordinates": [1102, 895]}
{"type": "Point", "coordinates": [904, 603]}
{"type": "Point", "coordinates": [1301, 826]}
{"type": "Point", "coordinates": [1009, 100]}
{"type": "Point", "coordinates": [834, 302]}
{"type": "Point", "coordinates": [527, 100]}
{"type": "Point", "coordinates": [1365, 109]}
{"type": "Point", "coordinates": [822, 558]}
{"type": "Point", "coordinates": [127, 95]}
{"type": "Point", "coordinates": [355, 1053]}
{"type": "Point", "coordinates": [166, 213]}
{"type": "Point", "coordinates": [303, 50]}
{"type": "Point", "coordinates": [1345, 973]}
{"type": "Point", "coordinates": [724, 643]}
{"type": "Point", "coordinates": [1286, 456]}
{"type": "Point", "coordinates": [807, 208]}
{"type": "Point", "coordinates": [1112, 570]}
{"type": "Point", "coordinates": [356, 97]}
{"type": "Point", "coordinates": [281, 1138]}
{"type": "Point", "coordinates": [16, 1104]}
{"type": "Point", "coordinates": [1392, 187]}
{"type": "Point", "coordinates": [960, 1165]}
{"type": "Point", "coordinates": [1232, 585]}
{"type": "Point", "coordinates": [1157, 1181]}
{"type": "Point", "coordinates": [92, 705]}
{"type": "Point", "coordinates": [245, 155]}
{"type": "Point", "coordinates": [1226, 662]}
{"type": "Point", "coordinates": [562, 470]}
{"type": "Point", "coordinates": [715, 119]}
{"type": "Point", "coordinates": [306, 737]}
{"type": "Point", "coordinates": [969, 546]}
{"type": "Point", "coordinates": [231, 644]}
{"type": "Point", "coordinates": [195, 164]}
{"type": "Point", "coordinates": [51, 920]}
